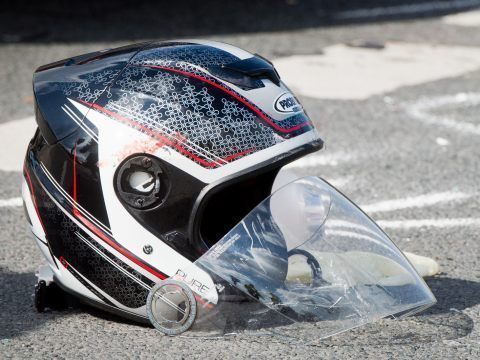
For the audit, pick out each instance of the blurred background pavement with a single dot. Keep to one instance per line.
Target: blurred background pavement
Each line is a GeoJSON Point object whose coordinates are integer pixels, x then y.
{"type": "Point", "coordinates": [393, 87]}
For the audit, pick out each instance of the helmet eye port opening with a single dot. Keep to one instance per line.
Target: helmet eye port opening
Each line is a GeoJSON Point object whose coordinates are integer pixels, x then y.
{"type": "Point", "coordinates": [229, 204]}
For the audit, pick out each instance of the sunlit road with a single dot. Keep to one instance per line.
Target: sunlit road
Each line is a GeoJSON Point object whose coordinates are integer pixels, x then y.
{"type": "Point", "coordinates": [397, 104]}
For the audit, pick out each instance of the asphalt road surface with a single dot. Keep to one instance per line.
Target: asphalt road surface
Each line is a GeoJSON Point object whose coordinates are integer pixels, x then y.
{"type": "Point", "coordinates": [397, 103]}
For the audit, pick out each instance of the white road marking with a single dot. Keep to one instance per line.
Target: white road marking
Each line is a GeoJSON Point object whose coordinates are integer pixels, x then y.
{"type": "Point", "coordinates": [442, 141]}
{"type": "Point", "coordinates": [324, 159]}
{"type": "Point", "coordinates": [344, 72]}
{"type": "Point", "coordinates": [286, 176]}
{"type": "Point", "coordinates": [414, 202]}
{"type": "Point", "coordinates": [423, 110]}
{"type": "Point", "coordinates": [14, 137]}
{"type": "Point", "coordinates": [469, 19]}
{"type": "Point", "coordinates": [340, 182]}
{"type": "Point", "coordinates": [406, 9]}
{"type": "Point", "coordinates": [13, 202]}
{"type": "Point", "coordinates": [421, 223]}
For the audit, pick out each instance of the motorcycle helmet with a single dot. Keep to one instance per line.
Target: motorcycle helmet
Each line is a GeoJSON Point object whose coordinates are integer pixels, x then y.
{"type": "Point", "coordinates": [149, 190]}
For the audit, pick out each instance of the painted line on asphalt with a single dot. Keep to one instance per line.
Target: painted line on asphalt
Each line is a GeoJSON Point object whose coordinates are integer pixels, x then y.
{"type": "Point", "coordinates": [13, 202]}
{"type": "Point", "coordinates": [415, 202]}
{"type": "Point", "coordinates": [324, 159]}
{"type": "Point", "coordinates": [14, 137]}
{"type": "Point", "coordinates": [467, 19]}
{"type": "Point", "coordinates": [442, 141]}
{"type": "Point", "coordinates": [422, 223]}
{"type": "Point", "coordinates": [355, 73]}
{"type": "Point", "coordinates": [406, 9]}
{"type": "Point", "coordinates": [340, 182]}
{"type": "Point", "coordinates": [423, 110]}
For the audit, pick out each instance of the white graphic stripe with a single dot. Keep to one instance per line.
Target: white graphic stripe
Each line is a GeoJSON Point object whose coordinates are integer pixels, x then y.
{"type": "Point", "coordinates": [75, 118]}
{"type": "Point", "coordinates": [115, 303]}
{"type": "Point", "coordinates": [109, 147]}
{"type": "Point", "coordinates": [166, 132]}
{"type": "Point", "coordinates": [95, 237]}
{"type": "Point", "coordinates": [93, 247]}
{"type": "Point", "coordinates": [72, 202]}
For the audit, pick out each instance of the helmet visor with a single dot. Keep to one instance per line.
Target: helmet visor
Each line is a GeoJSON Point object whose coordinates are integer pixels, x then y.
{"type": "Point", "coordinates": [306, 263]}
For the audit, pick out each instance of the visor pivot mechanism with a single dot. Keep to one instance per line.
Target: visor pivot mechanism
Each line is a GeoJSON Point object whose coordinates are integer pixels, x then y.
{"type": "Point", "coordinates": [171, 307]}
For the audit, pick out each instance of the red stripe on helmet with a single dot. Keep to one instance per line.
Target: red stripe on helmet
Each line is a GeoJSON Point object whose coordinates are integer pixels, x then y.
{"type": "Point", "coordinates": [102, 235]}
{"type": "Point", "coordinates": [163, 140]}
{"type": "Point", "coordinates": [252, 107]}
{"type": "Point", "coordinates": [30, 186]}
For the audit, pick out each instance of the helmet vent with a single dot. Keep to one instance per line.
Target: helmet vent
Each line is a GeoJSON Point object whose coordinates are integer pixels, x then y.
{"type": "Point", "coordinates": [141, 182]}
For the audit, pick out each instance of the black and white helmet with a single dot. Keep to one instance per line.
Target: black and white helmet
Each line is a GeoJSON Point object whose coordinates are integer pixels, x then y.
{"type": "Point", "coordinates": [147, 157]}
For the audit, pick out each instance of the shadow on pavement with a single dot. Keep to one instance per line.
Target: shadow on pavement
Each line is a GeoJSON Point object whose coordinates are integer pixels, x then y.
{"type": "Point", "coordinates": [453, 295]}
{"type": "Point", "coordinates": [123, 20]}
{"type": "Point", "coordinates": [444, 321]}
{"type": "Point", "coordinates": [17, 312]}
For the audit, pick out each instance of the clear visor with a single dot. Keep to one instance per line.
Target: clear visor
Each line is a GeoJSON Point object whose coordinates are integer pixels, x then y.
{"type": "Point", "coordinates": [306, 263]}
